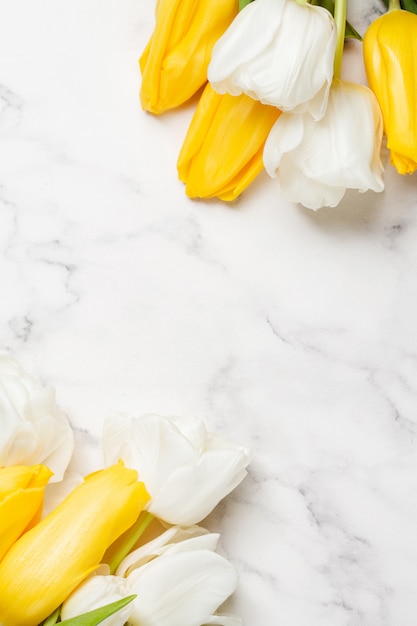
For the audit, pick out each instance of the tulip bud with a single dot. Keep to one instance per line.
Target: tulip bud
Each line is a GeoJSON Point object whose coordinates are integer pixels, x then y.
{"type": "Point", "coordinates": [33, 428]}
{"type": "Point", "coordinates": [390, 55]}
{"type": "Point", "coordinates": [175, 60]}
{"type": "Point", "coordinates": [222, 151]}
{"type": "Point", "coordinates": [316, 161]}
{"type": "Point", "coordinates": [46, 564]}
{"type": "Point", "coordinates": [280, 52]}
{"type": "Point", "coordinates": [186, 469]}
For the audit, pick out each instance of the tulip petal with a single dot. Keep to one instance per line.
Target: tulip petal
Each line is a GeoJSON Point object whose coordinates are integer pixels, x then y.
{"type": "Point", "coordinates": [33, 429]}
{"type": "Point", "coordinates": [153, 445]}
{"type": "Point", "coordinates": [183, 588]}
{"type": "Point", "coordinates": [21, 498]}
{"type": "Point", "coordinates": [96, 592]}
{"type": "Point", "coordinates": [175, 539]}
{"type": "Point", "coordinates": [204, 480]}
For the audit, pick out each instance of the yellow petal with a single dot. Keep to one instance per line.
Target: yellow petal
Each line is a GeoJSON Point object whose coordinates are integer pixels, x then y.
{"type": "Point", "coordinates": [222, 152]}
{"type": "Point", "coordinates": [390, 55]}
{"type": "Point", "coordinates": [175, 60]}
{"type": "Point", "coordinates": [21, 499]}
{"type": "Point", "coordinates": [42, 568]}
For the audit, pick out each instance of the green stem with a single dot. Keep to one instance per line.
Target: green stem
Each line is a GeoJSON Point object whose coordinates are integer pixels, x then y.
{"type": "Point", "coordinates": [134, 534]}
{"type": "Point", "coordinates": [53, 618]}
{"type": "Point", "coordinates": [394, 4]}
{"type": "Point", "coordinates": [340, 19]}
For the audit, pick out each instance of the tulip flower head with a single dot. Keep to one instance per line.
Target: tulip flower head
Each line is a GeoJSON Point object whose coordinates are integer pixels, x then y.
{"type": "Point", "coordinates": [186, 469]}
{"type": "Point", "coordinates": [279, 52]}
{"type": "Point", "coordinates": [390, 55]}
{"type": "Point", "coordinates": [182, 584]}
{"type": "Point", "coordinates": [33, 430]}
{"type": "Point", "coordinates": [222, 151]}
{"type": "Point", "coordinates": [21, 498]}
{"type": "Point", "coordinates": [316, 161]}
{"type": "Point", "coordinates": [174, 62]}
{"type": "Point", "coordinates": [46, 564]}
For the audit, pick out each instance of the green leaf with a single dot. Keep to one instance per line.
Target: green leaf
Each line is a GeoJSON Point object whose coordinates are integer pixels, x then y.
{"type": "Point", "coordinates": [243, 3]}
{"type": "Point", "coordinates": [409, 5]}
{"type": "Point", "coordinates": [350, 32]}
{"type": "Point", "coordinates": [92, 618]}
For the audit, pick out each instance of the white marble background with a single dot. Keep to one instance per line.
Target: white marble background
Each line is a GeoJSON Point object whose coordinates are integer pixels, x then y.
{"type": "Point", "coordinates": [290, 330]}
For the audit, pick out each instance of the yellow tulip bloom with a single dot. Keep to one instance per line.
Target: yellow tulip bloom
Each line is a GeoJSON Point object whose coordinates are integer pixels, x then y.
{"type": "Point", "coordinates": [46, 564]}
{"type": "Point", "coordinates": [222, 152]}
{"type": "Point", "coordinates": [21, 500]}
{"type": "Point", "coordinates": [390, 55]}
{"type": "Point", "coordinates": [175, 60]}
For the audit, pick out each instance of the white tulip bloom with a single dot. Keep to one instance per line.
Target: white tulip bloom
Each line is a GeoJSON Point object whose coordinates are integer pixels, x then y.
{"type": "Point", "coordinates": [279, 52]}
{"type": "Point", "coordinates": [32, 427]}
{"type": "Point", "coordinates": [184, 587]}
{"type": "Point", "coordinates": [95, 592]}
{"type": "Point", "coordinates": [186, 469]}
{"type": "Point", "coordinates": [316, 161]}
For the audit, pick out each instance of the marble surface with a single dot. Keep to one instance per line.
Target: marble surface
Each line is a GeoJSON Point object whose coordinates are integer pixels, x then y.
{"type": "Point", "coordinates": [290, 330]}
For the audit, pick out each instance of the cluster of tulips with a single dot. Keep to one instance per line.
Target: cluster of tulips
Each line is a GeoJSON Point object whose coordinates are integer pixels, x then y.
{"type": "Point", "coordinates": [122, 546]}
{"type": "Point", "coordinates": [273, 97]}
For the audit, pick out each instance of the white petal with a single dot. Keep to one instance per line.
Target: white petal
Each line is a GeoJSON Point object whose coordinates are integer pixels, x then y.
{"type": "Point", "coordinates": [96, 592]}
{"type": "Point", "coordinates": [224, 620]}
{"type": "Point", "coordinates": [151, 444]}
{"type": "Point", "coordinates": [285, 136]}
{"type": "Point", "coordinates": [215, 475]}
{"type": "Point", "coordinates": [176, 538]}
{"type": "Point", "coordinates": [33, 429]}
{"type": "Point", "coordinates": [309, 192]}
{"type": "Point", "coordinates": [183, 588]}
{"type": "Point", "coordinates": [238, 45]}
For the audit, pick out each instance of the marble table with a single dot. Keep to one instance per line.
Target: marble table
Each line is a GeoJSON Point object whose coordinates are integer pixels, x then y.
{"type": "Point", "coordinates": [289, 330]}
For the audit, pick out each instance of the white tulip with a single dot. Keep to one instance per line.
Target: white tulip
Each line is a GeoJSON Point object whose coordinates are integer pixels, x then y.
{"type": "Point", "coordinates": [95, 592]}
{"type": "Point", "coordinates": [184, 584]}
{"type": "Point", "coordinates": [32, 427]}
{"type": "Point", "coordinates": [279, 52]}
{"type": "Point", "coordinates": [316, 161]}
{"type": "Point", "coordinates": [184, 587]}
{"type": "Point", "coordinates": [186, 469]}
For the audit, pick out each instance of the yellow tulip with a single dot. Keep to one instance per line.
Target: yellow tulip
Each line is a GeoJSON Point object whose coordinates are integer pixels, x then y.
{"type": "Point", "coordinates": [222, 152]}
{"type": "Point", "coordinates": [21, 499]}
{"type": "Point", "coordinates": [46, 564]}
{"type": "Point", "coordinates": [175, 60]}
{"type": "Point", "coordinates": [390, 55]}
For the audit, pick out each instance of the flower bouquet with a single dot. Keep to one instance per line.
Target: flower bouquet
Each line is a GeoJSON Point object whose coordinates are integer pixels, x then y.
{"type": "Point", "coordinates": [124, 545]}
{"type": "Point", "coordinates": [274, 98]}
